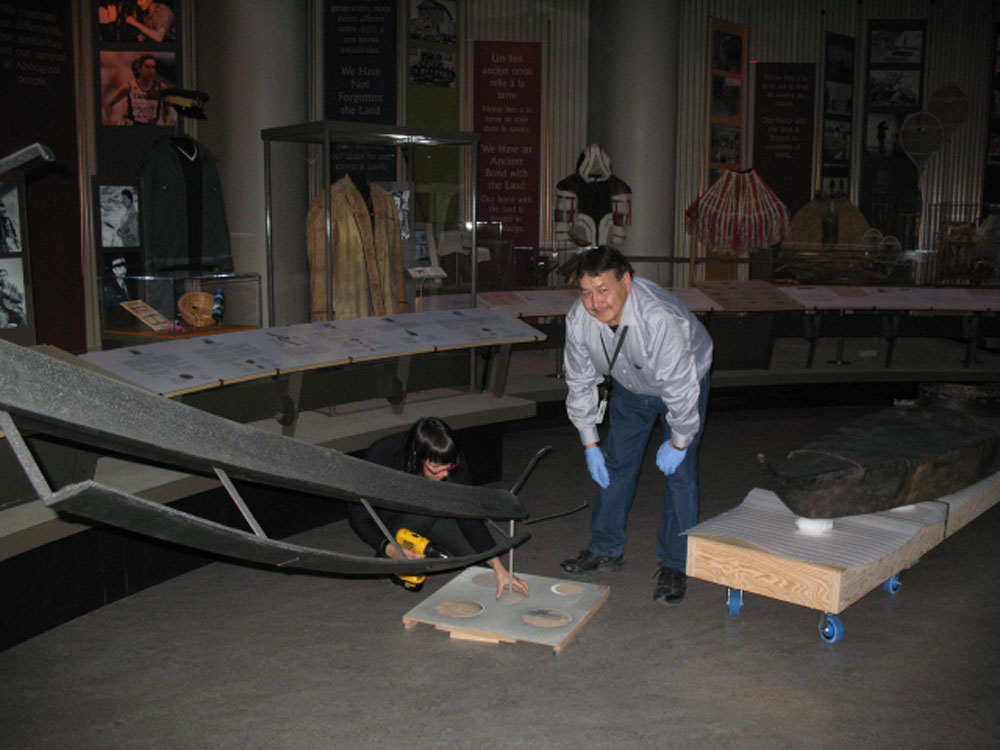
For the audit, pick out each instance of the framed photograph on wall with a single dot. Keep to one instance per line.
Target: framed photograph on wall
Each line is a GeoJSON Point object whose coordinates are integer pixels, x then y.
{"type": "Point", "coordinates": [132, 85]}
{"type": "Point", "coordinates": [117, 206]}
{"type": "Point", "coordinates": [130, 22]}
{"type": "Point", "coordinates": [17, 322]}
{"type": "Point", "coordinates": [726, 97]}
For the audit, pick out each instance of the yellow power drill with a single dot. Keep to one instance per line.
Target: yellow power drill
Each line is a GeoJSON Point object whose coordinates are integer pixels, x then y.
{"type": "Point", "coordinates": [413, 541]}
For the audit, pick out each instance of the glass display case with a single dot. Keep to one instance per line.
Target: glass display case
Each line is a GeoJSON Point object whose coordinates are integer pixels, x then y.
{"type": "Point", "coordinates": [136, 309]}
{"type": "Point", "coordinates": [433, 187]}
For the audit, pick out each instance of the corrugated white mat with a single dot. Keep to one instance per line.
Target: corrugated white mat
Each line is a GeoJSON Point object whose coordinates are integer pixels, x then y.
{"type": "Point", "coordinates": [854, 541]}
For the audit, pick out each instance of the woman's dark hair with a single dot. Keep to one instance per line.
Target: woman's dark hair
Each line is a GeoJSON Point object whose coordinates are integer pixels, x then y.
{"type": "Point", "coordinates": [599, 259]}
{"type": "Point", "coordinates": [138, 61]}
{"type": "Point", "coordinates": [429, 439]}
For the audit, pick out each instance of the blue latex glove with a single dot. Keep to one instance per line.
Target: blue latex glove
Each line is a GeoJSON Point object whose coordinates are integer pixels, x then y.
{"type": "Point", "coordinates": [596, 466]}
{"type": "Point", "coordinates": [668, 458]}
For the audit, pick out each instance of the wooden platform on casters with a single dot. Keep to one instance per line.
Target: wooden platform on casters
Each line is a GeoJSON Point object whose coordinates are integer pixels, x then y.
{"type": "Point", "coordinates": [757, 547]}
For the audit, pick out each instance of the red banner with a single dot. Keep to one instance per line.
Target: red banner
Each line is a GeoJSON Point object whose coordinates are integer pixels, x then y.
{"type": "Point", "coordinates": [507, 104]}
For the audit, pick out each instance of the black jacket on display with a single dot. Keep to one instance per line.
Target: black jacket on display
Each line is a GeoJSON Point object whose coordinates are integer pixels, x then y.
{"type": "Point", "coordinates": [183, 215]}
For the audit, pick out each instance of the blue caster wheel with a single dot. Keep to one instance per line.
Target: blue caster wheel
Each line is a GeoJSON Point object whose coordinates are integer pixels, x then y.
{"type": "Point", "coordinates": [734, 600]}
{"type": "Point", "coordinates": [892, 585]}
{"type": "Point", "coordinates": [831, 629]}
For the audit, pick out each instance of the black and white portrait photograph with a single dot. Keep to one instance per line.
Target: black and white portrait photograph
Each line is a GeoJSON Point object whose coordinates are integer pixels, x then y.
{"type": "Point", "coordinates": [893, 89]}
{"type": "Point", "coordinates": [836, 141]}
{"type": "Point", "coordinates": [116, 286]}
{"type": "Point", "coordinates": [433, 21]}
{"type": "Point", "coordinates": [838, 98]}
{"type": "Point", "coordinates": [896, 47]}
{"type": "Point", "coordinates": [727, 52]}
{"type": "Point", "coordinates": [119, 215]}
{"type": "Point", "coordinates": [881, 133]}
{"type": "Point", "coordinates": [725, 144]}
{"type": "Point", "coordinates": [10, 218]}
{"type": "Point", "coordinates": [13, 310]}
{"type": "Point", "coordinates": [725, 97]}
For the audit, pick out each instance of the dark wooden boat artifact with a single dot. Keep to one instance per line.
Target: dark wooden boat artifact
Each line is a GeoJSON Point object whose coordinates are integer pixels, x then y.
{"type": "Point", "coordinates": [946, 440]}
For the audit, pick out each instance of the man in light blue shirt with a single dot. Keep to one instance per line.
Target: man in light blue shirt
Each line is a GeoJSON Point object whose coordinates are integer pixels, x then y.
{"type": "Point", "coordinates": [656, 356]}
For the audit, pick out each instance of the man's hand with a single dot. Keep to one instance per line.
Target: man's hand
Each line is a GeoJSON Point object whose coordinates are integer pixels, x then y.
{"type": "Point", "coordinates": [668, 458]}
{"type": "Point", "coordinates": [596, 466]}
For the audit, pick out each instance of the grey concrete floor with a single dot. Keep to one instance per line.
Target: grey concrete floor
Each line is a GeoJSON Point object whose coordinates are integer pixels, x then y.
{"type": "Point", "coordinates": [231, 656]}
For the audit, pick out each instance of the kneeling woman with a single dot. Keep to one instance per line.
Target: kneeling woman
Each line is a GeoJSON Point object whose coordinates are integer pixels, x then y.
{"type": "Point", "coordinates": [429, 449]}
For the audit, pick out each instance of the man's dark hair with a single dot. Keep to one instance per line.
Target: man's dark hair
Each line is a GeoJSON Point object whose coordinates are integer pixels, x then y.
{"type": "Point", "coordinates": [599, 259]}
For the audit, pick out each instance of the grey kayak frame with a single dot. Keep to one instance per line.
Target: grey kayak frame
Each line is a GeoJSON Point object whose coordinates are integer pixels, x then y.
{"type": "Point", "coordinates": [43, 394]}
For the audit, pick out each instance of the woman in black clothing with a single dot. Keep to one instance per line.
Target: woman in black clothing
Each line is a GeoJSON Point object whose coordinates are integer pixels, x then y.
{"type": "Point", "coordinates": [428, 448]}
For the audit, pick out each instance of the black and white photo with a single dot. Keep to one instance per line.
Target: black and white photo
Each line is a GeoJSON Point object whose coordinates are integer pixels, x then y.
{"type": "Point", "coordinates": [432, 67]}
{"type": "Point", "coordinates": [10, 218]}
{"type": "Point", "coordinates": [727, 51]}
{"type": "Point", "coordinates": [836, 141]}
{"type": "Point", "coordinates": [838, 98]}
{"type": "Point", "coordinates": [434, 21]}
{"type": "Point", "coordinates": [725, 144]}
{"type": "Point", "coordinates": [893, 89]}
{"type": "Point", "coordinates": [13, 310]}
{"type": "Point", "coordinates": [725, 96]}
{"type": "Point", "coordinates": [881, 133]}
{"type": "Point", "coordinates": [896, 47]}
{"type": "Point", "coordinates": [119, 215]}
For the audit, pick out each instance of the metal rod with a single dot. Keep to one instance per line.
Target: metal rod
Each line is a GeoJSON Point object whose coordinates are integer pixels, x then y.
{"type": "Point", "coordinates": [510, 560]}
{"type": "Point", "coordinates": [560, 514]}
{"type": "Point", "coordinates": [528, 469]}
{"type": "Point", "coordinates": [385, 531]}
{"type": "Point", "coordinates": [268, 233]}
{"type": "Point", "coordinates": [24, 456]}
{"type": "Point", "coordinates": [235, 495]}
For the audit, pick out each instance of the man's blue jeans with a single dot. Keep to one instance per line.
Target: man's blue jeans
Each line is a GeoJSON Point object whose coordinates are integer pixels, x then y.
{"type": "Point", "coordinates": [631, 419]}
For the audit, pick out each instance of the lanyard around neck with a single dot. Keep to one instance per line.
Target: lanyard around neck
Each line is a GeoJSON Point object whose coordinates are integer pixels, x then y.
{"type": "Point", "coordinates": [613, 359]}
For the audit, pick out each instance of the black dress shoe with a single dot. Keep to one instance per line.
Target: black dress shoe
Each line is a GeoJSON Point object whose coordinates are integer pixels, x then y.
{"type": "Point", "coordinates": [587, 562]}
{"type": "Point", "coordinates": [671, 585]}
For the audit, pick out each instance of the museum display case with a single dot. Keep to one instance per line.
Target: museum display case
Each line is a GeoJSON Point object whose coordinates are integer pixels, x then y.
{"type": "Point", "coordinates": [140, 308]}
{"type": "Point", "coordinates": [316, 153]}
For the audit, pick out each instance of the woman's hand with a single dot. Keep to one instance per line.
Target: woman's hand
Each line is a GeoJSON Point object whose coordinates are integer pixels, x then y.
{"type": "Point", "coordinates": [390, 551]}
{"type": "Point", "coordinates": [504, 578]}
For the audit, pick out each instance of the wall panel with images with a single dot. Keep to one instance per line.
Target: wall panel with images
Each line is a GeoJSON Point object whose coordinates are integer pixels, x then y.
{"type": "Point", "coordinates": [726, 138]}
{"type": "Point", "coordinates": [16, 311]}
{"type": "Point", "coordinates": [117, 217]}
{"type": "Point", "coordinates": [137, 58]}
{"type": "Point", "coordinates": [40, 109]}
{"type": "Point", "coordinates": [727, 76]}
{"type": "Point", "coordinates": [838, 112]}
{"type": "Point", "coordinates": [889, 193]}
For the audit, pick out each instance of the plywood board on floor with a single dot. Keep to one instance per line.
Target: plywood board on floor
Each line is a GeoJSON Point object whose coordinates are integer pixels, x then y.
{"type": "Point", "coordinates": [467, 608]}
